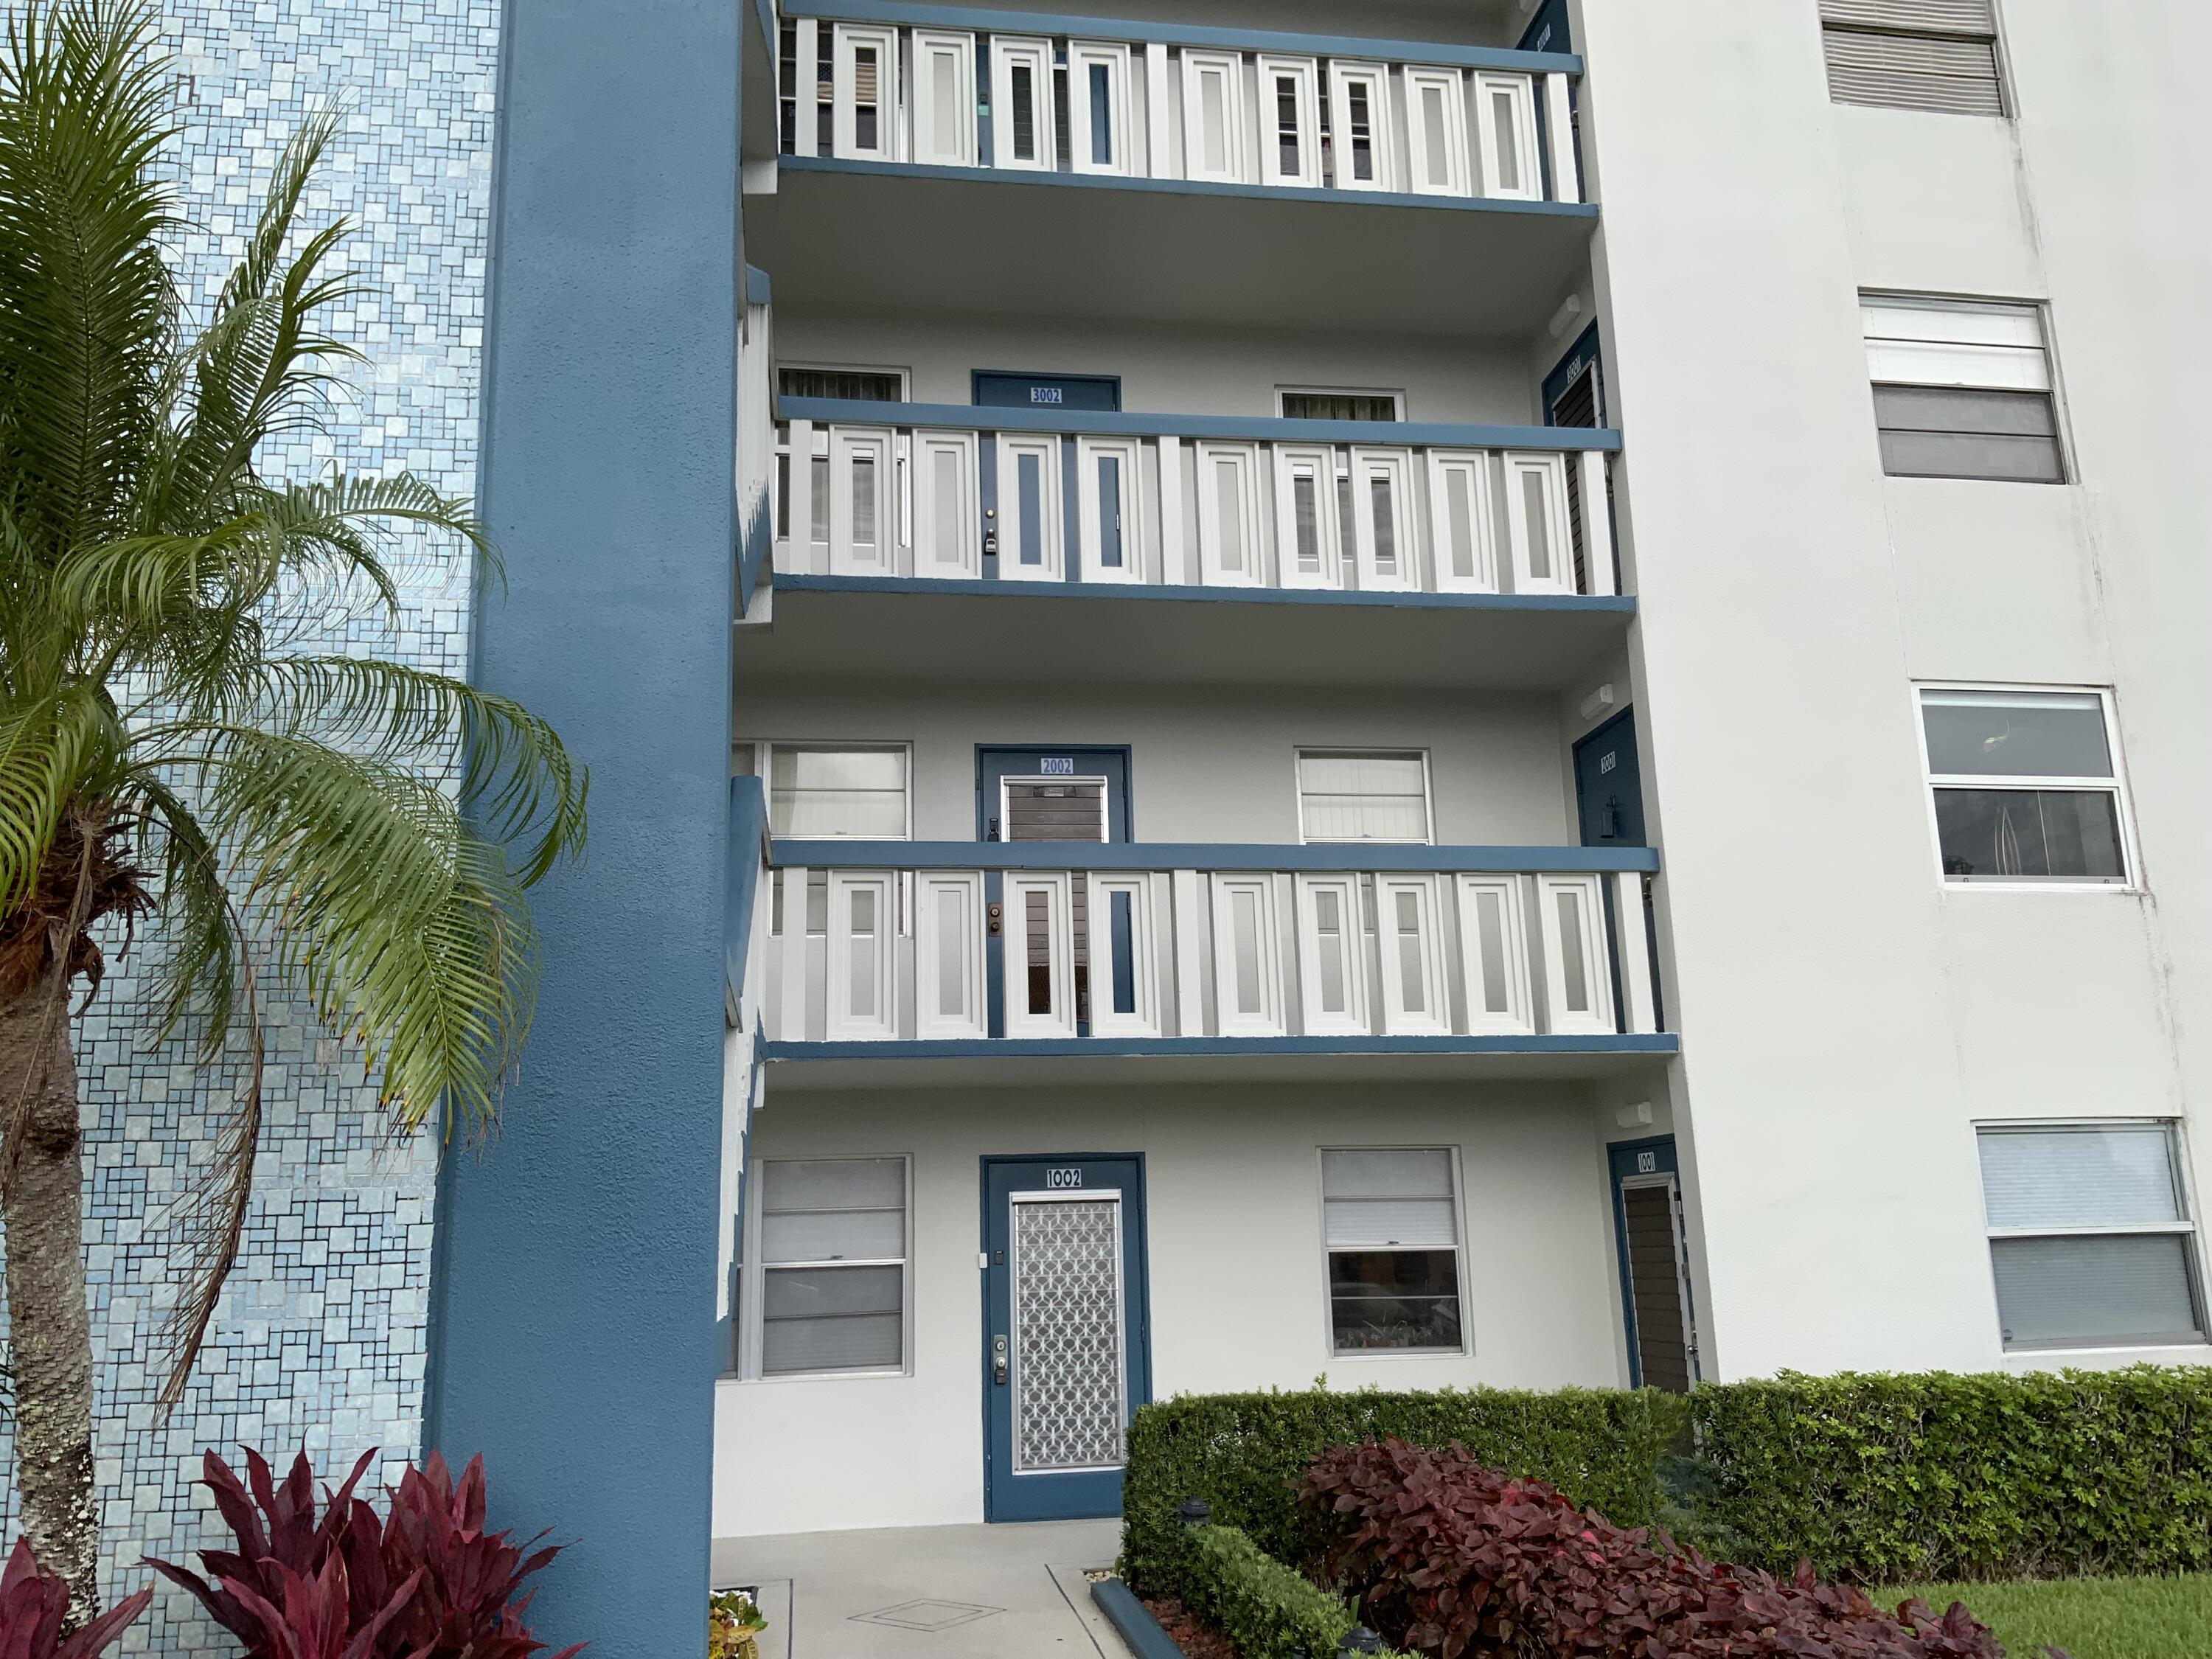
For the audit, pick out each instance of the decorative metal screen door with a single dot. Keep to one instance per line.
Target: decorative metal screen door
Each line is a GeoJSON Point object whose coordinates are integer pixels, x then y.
{"type": "Point", "coordinates": [1064, 1358]}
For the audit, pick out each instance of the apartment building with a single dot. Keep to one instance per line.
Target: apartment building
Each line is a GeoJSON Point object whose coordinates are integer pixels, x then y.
{"type": "Point", "coordinates": [1427, 694]}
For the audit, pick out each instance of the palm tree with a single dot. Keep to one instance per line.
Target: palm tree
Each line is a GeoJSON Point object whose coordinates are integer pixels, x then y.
{"type": "Point", "coordinates": [175, 756]}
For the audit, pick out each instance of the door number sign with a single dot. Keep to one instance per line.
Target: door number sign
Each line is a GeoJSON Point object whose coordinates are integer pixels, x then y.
{"type": "Point", "coordinates": [1062, 1180]}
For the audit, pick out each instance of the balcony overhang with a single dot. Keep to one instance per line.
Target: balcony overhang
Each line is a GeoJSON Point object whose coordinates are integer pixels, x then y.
{"type": "Point", "coordinates": [1004, 1062]}
{"type": "Point", "coordinates": [876, 627]}
{"type": "Point", "coordinates": [854, 235]}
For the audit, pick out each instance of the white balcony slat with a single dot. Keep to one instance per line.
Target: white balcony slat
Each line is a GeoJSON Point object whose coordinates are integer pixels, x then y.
{"type": "Point", "coordinates": [1637, 997]}
{"type": "Point", "coordinates": [1601, 564]}
{"type": "Point", "coordinates": [1558, 113]}
{"type": "Point", "coordinates": [1189, 954]}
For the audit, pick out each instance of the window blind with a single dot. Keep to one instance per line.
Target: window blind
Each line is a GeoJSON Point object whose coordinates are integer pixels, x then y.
{"type": "Point", "coordinates": [1388, 1199]}
{"type": "Point", "coordinates": [817, 792]}
{"type": "Point", "coordinates": [1962, 389]}
{"type": "Point", "coordinates": [1355, 797]}
{"type": "Point", "coordinates": [833, 1245]}
{"type": "Point", "coordinates": [1938, 55]}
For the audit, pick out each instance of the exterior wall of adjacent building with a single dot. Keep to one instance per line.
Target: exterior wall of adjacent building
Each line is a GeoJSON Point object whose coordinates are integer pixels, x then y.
{"type": "Point", "coordinates": [1848, 1019]}
{"type": "Point", "coordinates": [1238, 1282]}
{"type": "Point", "coordinates": [319, 1339]}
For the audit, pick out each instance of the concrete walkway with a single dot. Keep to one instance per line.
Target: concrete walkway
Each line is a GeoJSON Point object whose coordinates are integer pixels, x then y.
{"type": "Point", "coordinates": [979, 1592]}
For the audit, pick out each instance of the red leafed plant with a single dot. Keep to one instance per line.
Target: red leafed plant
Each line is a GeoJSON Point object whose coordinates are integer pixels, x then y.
{"type": "Point", "coordinates": [425, 1581]}
{"type": "Point", "coordinates": [1448, 1556]}
{"type": "Point", "coordinates": [33, 1604]}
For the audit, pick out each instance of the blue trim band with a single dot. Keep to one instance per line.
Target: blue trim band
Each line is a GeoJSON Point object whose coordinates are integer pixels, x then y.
{"type": "Point", "coordinates": [1623, 604]}
{"type": "Point", "coordinates": [785, 852]}
{"type": "Point", "coordinates": [1180, 34]}
{"type": "Point", "coordinates": [757, 286]}
{"type": "Point", "coordinates": [1654, 1043]}
{"type": "Point", "coordinates": [1112, 423]}
{"type": "Point", "coordinates": [1189, 187]}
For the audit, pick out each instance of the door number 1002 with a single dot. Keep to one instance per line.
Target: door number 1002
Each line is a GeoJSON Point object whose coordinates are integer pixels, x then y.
{"type": "Point", "coordinates": [1061, 1180]}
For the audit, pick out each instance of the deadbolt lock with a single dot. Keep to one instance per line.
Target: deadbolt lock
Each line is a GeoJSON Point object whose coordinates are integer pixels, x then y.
{"type": "Point", "coordinates": [996, 913]}
{"type": "Point", "coordinates": [999, 1360]}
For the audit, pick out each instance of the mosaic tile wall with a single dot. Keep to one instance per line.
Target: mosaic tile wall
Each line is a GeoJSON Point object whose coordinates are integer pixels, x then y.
{"type": "Point", "coordinates": [320, 1335]}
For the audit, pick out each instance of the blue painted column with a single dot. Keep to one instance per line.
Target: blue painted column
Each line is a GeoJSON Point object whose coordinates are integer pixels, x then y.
{"type": "Point", "coordinates": [573, 1301]}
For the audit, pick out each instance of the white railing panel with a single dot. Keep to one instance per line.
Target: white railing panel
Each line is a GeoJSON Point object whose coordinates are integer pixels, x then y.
{"type": "Point", "coordinates": [1125, 955]}
{"type": "Point", "coordinates": [1493, 934]}
{"type": "Point", "coordinates": [1332, 955]}
{"type": "Point", "coordinates": [1247, 956]}
{"type": "Point", "coordinates": [944, 100]}
{"type": "Point", "coordinates": [950, 975]}
{"type": "Point", "coordinates": [1578, 966]}
{"type": "Point", "coordinates": [1416, 972]}
{"type": "Point", "coordinates": [1040, 955]}
{"type": "Point", "coordinates": [862, 980]}
{"type": "Point", "coordinates": [1638, 996]}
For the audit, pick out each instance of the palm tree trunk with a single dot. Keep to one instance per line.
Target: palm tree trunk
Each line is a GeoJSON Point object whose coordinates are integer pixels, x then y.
{"type": "Point", "coordinates": [42, 1208]}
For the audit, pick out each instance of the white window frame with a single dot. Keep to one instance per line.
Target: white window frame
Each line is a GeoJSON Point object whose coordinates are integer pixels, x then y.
{"type": "Point", "coordinates": [1520, 90]}
{"type": "Point", "coordinates": [764, 760]}
{"type": "Point", "coordinates": [1518, 1017]}
{"type": "Point", "coordinates": [1315, 1020]}
{"type": "Point", "coordinates": [1212, 569]}
{"type": "Point", "coordinates": [1370, 462]}
{"type": "Point", "coordinates": [1113, 56]}
{"type": "Point", "coordinates": [2131, 879]}
{"type": "Point", "coordinates": [1130, 452]}
{"type": "Point", "coordinates": [1451, 83]}
{"type": "Point", "coordinates": [959, 45]}
{"type": "Point", "coordinates": [1560, 1020]}
{"type": "Point", "coordinates": [753, 1278]}
{"type": "Point", "coordinates": [1458, 1259]}
{"type": "Point", "coordinates": [1339, 751]}
{"type": "Point", "coordinates": [930, 1022]}
{"type": "Point", "coordinates": [1320, 460]}
{"type": "Point", "coordinates": [1473, 466]}
{"type": "Point", "coordinates": [1343, 75]}
{"type": "Point", "coordinates": [1306, 72]}
{"type": "Point", "coordinates": [1007, 52]}
{"type": "Point", "coordinates": [1144, 954]}
{"type": "Point", "coordinates": [1196, 68]}
{"type": "Point", "coordinates": [1268, 1020]}
{"type": "Point", "coordinates": [844, 89]}
{"type": "Point", "coordinates": [965, 560]}
{"type": "Point", "coordinates": [1052, 530]}
{"type": "Point", "coordinates": [2200, 1287]}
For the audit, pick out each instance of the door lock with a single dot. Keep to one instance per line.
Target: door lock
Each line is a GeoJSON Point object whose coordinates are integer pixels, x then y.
{"type": "Point", "coordinates": [999, 1361]}
{"type": "Point", "coordinates": [997, 914]}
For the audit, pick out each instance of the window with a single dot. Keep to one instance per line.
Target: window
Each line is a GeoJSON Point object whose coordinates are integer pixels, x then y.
{"type": "Point", "coordinates": [1349, 796]}
{"type": "Point", "coordinates": [1962, 390]}
{"type": "Point", "coordinates": [2090, 1237]}
{"type": "Point", "coordinates": [824, 1278]}
{"type": "Point", "coordinates": [873, 386]}
{"type": "Point", "coordinates": [1340, 405]}
{"type": "Point", "coordinates": [818, 790]}
{"type": "Point", "coordinates": [1938, 55]}
{"type": "Point", "coordinates": [2025, 786]}
{"type": "Point", "coordinates": [1391, 1224]}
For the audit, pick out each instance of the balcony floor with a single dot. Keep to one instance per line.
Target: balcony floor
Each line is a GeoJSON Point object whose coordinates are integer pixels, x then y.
{"type": "Point", "coordinates": [860, 235]}
{"type": "Point", "coordinates": [879, 628]}
{"type": "Point", "coordinates": [1001, 1062]}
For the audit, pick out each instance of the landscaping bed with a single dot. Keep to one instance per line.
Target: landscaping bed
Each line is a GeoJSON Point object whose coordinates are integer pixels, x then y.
{"type": "Point", "coordinates": [1195, 1637]}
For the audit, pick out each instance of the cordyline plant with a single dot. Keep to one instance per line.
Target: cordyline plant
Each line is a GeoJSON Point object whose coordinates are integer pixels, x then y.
{"type": "Point", "coordinates": [339, 1581]}
{"type": "Point", "coordinates": [173, 754]}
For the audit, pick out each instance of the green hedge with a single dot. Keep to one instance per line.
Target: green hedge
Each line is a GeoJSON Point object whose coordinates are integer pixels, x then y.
{"type": "Point", "coordinates": [1882, 1479]}
{"type": "Point", "coordinates": [1263, 1607]}
{"type": "Point", "coordinates": [1243, 1453]}
{"type": "Point", "coordinates": [1893, 1479]}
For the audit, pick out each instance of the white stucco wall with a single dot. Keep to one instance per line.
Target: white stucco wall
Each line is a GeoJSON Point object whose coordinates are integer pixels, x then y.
{"type": "Point", "coordinates": [1238, 1288]}
{"type": "Point", "coordinates": [1846, 1020]}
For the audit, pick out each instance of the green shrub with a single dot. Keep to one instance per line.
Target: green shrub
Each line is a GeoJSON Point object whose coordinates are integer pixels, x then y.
{"type": "Point", "coordinates": [1263, 1607]}
{"type": "Point", "coordinates": [1243, 1453]}
{"type": "Point", "coordinates": [1938, 1476]}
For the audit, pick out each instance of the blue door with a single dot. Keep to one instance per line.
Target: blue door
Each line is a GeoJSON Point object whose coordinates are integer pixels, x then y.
{"type": "Point", "coordinates": [1654, 1279]}
{"type": "Point", "coordinates": [1609, 784]}
{"type": "Point", "coordinates": [1066, 1347]}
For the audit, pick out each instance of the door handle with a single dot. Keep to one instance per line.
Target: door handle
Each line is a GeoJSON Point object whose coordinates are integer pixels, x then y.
{"type": "Point", "coordinates": [999, 1361]}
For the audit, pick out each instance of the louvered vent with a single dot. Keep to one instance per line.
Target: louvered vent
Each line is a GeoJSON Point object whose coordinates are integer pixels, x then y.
{"type": "Point", "coordinates": [1938, 55]}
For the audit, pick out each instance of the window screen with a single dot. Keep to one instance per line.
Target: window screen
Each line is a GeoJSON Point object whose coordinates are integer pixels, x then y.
{"type": "Point", "coordinates": [831, 1266]}
{"type": "Point", "coordinates": [2024, 784]}
{"type": "Point", "coordinates": [865, 384]}
{"type": "Point", "coordinates": [817, 790]}
{"type": "Point", "coordinates": [1345, 796]}
{"type": "Point", "coordinates": [1962, 390]}
{"type": "Point", "coordinates": [2090, 1238]}
{"type": "Point", "coordinates": [1340, 405]}
{"type": "Point", "coordinates": [1392, 1223]}
{"type": "Point", "coordinates": [1938, 55]}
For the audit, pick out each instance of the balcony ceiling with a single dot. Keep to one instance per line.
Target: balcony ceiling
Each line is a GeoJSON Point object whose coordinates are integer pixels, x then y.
{"type": "Point", "coordinates": [998, 244]}
{"type": "Point", "coordinates": [1170, 636]}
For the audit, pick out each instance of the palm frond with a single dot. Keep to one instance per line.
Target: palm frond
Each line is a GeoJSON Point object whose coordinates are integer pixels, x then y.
{"type": "Point", "coordinates": [48, 746]}
{"type": "Point", "coordinates": [87, 310]}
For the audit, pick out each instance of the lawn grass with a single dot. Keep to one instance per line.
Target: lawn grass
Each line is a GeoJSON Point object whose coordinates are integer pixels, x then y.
{"type": "Point", "coordinates": [2089, 1618]}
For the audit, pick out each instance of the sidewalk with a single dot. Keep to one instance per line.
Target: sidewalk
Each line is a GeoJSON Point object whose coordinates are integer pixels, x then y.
{"type": "Point", "coordinates": [972, 1592]}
